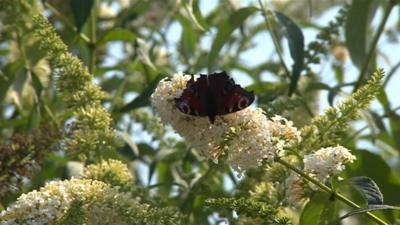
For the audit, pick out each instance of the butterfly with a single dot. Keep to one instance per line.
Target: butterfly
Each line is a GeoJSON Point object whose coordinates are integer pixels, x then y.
{"type": "Point", "coordinates": [212, 95]}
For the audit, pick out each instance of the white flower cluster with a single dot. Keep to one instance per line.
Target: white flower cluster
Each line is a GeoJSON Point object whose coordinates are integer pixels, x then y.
{"type": "Point", "coordinates": [247, 136]}
{"type": "Point", "coordinates": [49, 204]}
{"type": "Point", "coordinates": [327, 162]}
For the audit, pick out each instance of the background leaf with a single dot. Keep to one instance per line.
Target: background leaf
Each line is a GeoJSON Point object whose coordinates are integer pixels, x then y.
{"type": "Point", "coordinates": [118, 34]}
{"type": "Point", "coordinates": [81, 11]}
{"type": "Point", "coordinates": [359, 17]}
{"type": "Point", "coordinates": [225, 29]}
{"type": "Point", "coordinates": [295, 39]}
{"type": "Point", "coordinates": [319, 210]}
{"type": "Point", "coordinates": [144, 98]}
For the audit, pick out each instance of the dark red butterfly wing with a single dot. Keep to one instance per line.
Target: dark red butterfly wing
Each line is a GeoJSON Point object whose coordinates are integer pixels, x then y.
{"type": "Point", "coordinates": [230, 97]}
{"type": "Point", "coordinates": [215, 94]}
{"type": "Point", "coordinates": [192, 100]}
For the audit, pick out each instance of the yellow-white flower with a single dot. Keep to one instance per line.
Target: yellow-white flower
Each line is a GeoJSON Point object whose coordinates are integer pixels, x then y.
{"type": "Point", "coordinates": [101, 204]}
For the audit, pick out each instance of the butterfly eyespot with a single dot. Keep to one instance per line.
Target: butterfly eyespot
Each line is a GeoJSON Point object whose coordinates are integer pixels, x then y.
{"type": "Point", "coordinates": [243, 103]}
{"type": "Point", "coordinates": [185, 108]}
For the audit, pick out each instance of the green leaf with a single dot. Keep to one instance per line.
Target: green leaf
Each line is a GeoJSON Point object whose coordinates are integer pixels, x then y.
{"type": "Point", "coordinates": [34, 118]}
{"type": "Point", "coordinates": [130, 142]}
{"type": "Point", "coordinates": [37, 84]}
{"type": "Point", "coordinates": [188, 39]}
{"type": "Point", "coordinates": [368, 209]}
{"type": "Point", "coordinates": [225, 29]}
{"type": "Point", "coordinates": [378, 121]}
{"type": "Point", "coordinates": [118, 34]}
{"type": "Point", "coordinates": [319, 210]}
{"type": "Point", "coordinates": [7, 77]}
{"type": "Point", "coordinates": [188, 6]}
{"type": "Point", "coordinates": [146, 150]}
{"type": "Point", "coordinates": [394, 122]}
{"type": "Point", "coordinates": [295, 39]}
{"type": "Point", "coordinates": [144, 98]}
{"type": "Point", "coordinates": [4, 51]}
{"type": "Point", "coordinates": [356, 29]}
{"type": "Point", "coordinates": [368, 189]}
{"type": "Point", "coordinates": [81, 11]}
{"type": "Point", "coordinates": [197, 14]}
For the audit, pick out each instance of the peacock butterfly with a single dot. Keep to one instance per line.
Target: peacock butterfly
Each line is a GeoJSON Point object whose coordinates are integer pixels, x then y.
{"type": "Point", "coordinates": [212, 95]}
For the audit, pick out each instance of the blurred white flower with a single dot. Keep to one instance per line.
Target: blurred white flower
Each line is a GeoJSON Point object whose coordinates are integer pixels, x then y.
{"type": "Point", "coordinates": [106, 11]}
{"type": "Point", "coordinates": [156, 13]}
{"type": "Point", "coordinates": [246, 136]}
{"type": "Point", "coordinates": [75, 168]}
{"type": "Point", "coordinates": [126, 3]}
{"type": "Point", "coordinates": [327, 161]}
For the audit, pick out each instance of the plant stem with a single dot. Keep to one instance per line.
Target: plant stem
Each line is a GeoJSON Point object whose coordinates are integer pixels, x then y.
{"type": "Point", "coordinates": [375, 40]}
{"type": "Point", "coordinates": [274, 38]}
{"type": "Point", "coordinates": [329, 190]}
{"type": "Point", "coordinates": [92, 44]}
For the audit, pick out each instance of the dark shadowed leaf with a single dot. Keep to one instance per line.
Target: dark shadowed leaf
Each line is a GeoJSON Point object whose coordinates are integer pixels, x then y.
{"type": "Point", "coordinates": [152, 170]}
{"type": "Point", "coordinates": [129, 141]}
{"type": "Point", "coordinates": [295, 39]}
{"type": "Point", "coordinates": [394, 122]}
{"type": "Point", "coordinates": [368, 189]}
{"type": "Point", "coordinates": [358, 20]}
{"type": "Point", "coordinates": [368, 209]}
{"type": "Point", "coordinates": [378, 121]}
{"type": "Point", "coordinates": [225, 29]}
{"type": "Point", "coordinates": [336, 90]}
{"type": "Point", "coordinates": [81, 11]}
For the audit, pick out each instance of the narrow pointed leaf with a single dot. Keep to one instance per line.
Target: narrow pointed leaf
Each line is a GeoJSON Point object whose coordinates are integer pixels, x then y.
{"type": "Point", "coordinates": [369, 208]}
{"type": "Point", "coordinates": [117, 35]}
{"type": "Point", "coordinates": [225, 29]}
{"type": "Point", "coordinates": [295, 39]}
{"type": "Point", "coordinates": [356, 29]}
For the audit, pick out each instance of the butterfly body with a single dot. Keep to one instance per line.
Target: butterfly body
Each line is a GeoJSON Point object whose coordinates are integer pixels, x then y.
{"type": "Point", "coordinates": [212, 95]}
